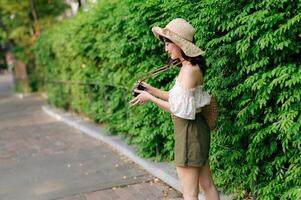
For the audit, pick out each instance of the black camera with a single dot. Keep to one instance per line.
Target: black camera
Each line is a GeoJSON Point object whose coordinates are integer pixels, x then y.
{"type": "Point", "coordinates": [139, 86]}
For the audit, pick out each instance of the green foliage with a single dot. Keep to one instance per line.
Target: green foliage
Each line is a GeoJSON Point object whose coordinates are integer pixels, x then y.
{"type": "Point", "coordinates": [253, 57]}
{"type": "Point", "coordinates": [19, 28]}
{"type": "Point", "coordinates": [256, 50]}
{"type": "Point", "coordinates": [17, 21]}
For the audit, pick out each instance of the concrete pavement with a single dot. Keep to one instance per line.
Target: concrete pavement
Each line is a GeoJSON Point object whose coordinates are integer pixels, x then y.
{"type": "Point", "coordinates": [42, 159]}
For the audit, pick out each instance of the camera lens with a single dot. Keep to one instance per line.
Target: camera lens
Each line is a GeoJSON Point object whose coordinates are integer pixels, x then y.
{"type": "Point", "coordinates": [139, 87]}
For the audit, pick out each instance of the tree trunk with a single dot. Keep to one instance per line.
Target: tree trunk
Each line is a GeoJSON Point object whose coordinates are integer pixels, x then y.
{"type": "Point", "coordinates": [36, 25]}
{"type": "Point", "coordinates": [33, 10]}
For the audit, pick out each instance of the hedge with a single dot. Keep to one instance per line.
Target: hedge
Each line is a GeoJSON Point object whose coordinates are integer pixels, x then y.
{"type": "Point", "coordinates": [253, 59]}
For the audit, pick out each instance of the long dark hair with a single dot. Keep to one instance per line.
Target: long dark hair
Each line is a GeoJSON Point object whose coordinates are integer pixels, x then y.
{"type": "Point", "coordinates": [198, 60]}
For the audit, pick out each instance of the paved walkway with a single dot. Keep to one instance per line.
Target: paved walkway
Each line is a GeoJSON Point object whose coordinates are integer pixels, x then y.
{"type": "Point", "coordinates": [44, 159]}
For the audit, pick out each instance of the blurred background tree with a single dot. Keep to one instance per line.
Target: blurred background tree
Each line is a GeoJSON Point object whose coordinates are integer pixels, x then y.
{"type": "Point", "coordinates": [21, 23]}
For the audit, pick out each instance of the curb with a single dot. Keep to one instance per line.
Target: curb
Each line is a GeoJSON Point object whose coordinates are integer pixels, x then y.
{"type": "Point", "coordinates": [164, 171]}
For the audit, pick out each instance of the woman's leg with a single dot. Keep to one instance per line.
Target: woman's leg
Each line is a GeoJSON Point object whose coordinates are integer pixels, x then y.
{"type": "Point", "coordinates": [189, 177]}
{"type": "Point", "coordinates": [207, 184]}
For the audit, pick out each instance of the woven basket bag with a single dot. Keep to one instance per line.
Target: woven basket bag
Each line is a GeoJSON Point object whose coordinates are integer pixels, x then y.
{"type": "Point", "coordinates": [210, 113]}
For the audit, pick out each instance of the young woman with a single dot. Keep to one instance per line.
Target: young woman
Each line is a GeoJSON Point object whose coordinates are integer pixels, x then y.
{"type": "Point", "coordinates": [185, 101]}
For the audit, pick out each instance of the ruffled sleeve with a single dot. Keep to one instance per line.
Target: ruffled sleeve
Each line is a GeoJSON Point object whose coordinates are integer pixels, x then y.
{"type": "Point", "coordinates": [202, 98]}
{"type": "Point", "coordinates": [182, 102]}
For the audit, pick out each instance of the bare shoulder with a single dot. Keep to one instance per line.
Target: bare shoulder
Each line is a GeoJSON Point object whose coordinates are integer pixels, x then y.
{"type": "Point", "coordinates": [191, 76]}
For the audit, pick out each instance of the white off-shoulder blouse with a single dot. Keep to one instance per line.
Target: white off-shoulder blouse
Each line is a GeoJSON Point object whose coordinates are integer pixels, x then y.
{"type": "Point", "coordinates": [185, 103]}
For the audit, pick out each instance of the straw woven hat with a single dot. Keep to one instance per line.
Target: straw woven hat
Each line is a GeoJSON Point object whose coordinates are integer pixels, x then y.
{"type": "Point", "coordinates": [181, 33]}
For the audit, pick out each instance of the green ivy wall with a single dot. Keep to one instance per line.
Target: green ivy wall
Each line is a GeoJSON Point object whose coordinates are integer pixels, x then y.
{"type": "Point", "coordinates": [253, 58]}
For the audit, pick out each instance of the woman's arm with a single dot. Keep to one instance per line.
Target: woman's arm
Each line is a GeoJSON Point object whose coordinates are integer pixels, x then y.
{"type": "Point", "coordinates": [161, 103]}
{"type": "Point", "coordinates": [156, 92]}
{"type": "Point", "coordinates": [144, 96]}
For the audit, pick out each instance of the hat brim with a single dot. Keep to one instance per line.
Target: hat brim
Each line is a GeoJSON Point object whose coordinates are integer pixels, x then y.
{"type": "Point", "coordinates": [188, 47]}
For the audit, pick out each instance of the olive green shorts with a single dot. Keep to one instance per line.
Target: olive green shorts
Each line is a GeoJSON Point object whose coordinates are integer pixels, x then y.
{"type": "Point", "coordinates": [192, 141]}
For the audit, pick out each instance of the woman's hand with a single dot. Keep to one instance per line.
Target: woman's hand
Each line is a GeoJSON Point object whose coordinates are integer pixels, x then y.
{"type": "Point", "coordinates": [148, 87]}
{"type": "Point", "coordinates": [141, 98]}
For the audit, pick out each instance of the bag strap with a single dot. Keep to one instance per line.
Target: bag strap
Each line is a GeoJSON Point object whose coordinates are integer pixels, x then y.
{"type": "Point", "coordinates": [162, 69]}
